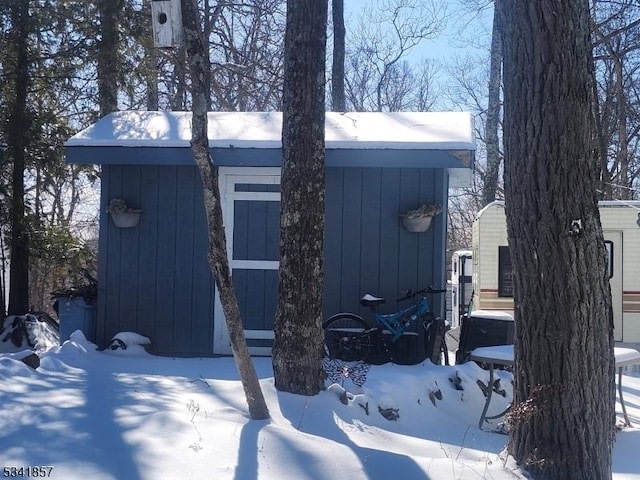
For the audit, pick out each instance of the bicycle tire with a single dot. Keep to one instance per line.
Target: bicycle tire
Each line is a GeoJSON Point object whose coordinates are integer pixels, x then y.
{"type": "Point", "coordinates": [347, 337]}
{"type": "Point", "coordinates": [394, 350]}
{"type": "Point", "coordinates": [435, 346]}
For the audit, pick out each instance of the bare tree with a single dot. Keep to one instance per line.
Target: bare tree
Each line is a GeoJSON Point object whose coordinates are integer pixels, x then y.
{"type": "Point", "coordinates": [298, 345]}
{"type": "Point", "coordinates": [385, 34]}
{"type": "Point", "coordinates": [494, 158]}
{"type": "Point", "coordinates": [108, 52]}
{"type": "Point", "coordinates": [563, 422]}
{"type": "Point", "coordinates": [338, 101]}
{"type": "Point", "coordinates": [246, 51]}
{"type": "Point", "coordinates": [462, 210]}
{"type": "Point", "coordinates": [218, 262]}
{"type": "Point", "coordinates": [425, 90]}
{"type": "Point", "coordinates": [616, 43]}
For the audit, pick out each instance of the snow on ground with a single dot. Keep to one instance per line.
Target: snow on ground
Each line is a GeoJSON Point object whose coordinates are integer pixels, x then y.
{"type": "Point", "coordinates": [127, 415]}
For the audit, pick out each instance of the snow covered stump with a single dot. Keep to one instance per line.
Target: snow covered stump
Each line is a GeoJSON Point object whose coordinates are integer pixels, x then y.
{"type": "Point", "coordinates": [124, 340]}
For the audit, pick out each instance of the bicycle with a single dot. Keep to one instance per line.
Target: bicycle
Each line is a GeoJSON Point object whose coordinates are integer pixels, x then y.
{"type": "Point", "coordinates": [350, 338]}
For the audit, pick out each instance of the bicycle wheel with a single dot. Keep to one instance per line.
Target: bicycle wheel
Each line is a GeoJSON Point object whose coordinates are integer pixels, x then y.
{"type": "Point", "coordinates": [347, 337]}
{"type": "Point", "coordinates": [435, 345]}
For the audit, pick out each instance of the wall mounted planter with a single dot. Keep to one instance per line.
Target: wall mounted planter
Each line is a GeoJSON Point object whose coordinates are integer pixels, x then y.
{"type": "Point", "coordinates": [126, 219]}
{"type": "Point", "coordinates": [419, 220]}
{"type": "Point", "coordinates": [416, 224]}
{"type": "Point", "coordinates": [122, 215]}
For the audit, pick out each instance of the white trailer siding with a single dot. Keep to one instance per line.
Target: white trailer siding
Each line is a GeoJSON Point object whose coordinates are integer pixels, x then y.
{"type": "Point", "coordinates": [461, 284]}
{"type": "Point", "coordinates": [621, 230]}
{"type": "Point", "coordinates": [489, 233]}
{"type": "Point", "coordinates": [621, 219]}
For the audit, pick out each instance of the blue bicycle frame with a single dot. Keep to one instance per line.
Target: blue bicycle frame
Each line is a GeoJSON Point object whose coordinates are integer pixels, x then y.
{"type": "Point", "coordinates": [349, 337]}
{"type": "Point", "coordinates": [397, 322]}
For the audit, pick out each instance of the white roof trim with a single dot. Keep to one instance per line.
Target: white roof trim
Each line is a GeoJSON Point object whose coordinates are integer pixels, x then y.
{"type": "Point", "coordinates": [351, 130]}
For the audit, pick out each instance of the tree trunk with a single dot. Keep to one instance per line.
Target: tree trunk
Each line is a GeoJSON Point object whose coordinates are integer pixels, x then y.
{"type": "Point", "coordinates": [490, 184]}
{"type": "Point", "coordinates": [338, 101]}
{"type": "Point", "coordinates": [218, 262]}
{"type": "Point", "coordinates": [297, 350]}
{"type": "Point", "coordinates": [563, 422]}
{"type": "Point", "coordinates": [3, 302]}
{"type": "Point", "coordinates": [150, 62]}
{"type": "Point", "coordinates": [151, 79]}
{"type": "Point", "coordinates": [108, 55]}
{"type": "Point", "coordinates": [18, 127]}
{"type": "Point", "coordinates": [179, 80]}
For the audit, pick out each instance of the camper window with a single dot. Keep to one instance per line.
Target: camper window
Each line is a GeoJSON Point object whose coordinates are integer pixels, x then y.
{"type": "Point", "coordinates": [505, 272]}
{"type": "Point", "coordinates": [609, 247]}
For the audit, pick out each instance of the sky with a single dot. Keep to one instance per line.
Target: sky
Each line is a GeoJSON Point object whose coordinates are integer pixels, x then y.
{"type": "Point", "coordinates": [466, 31]}
{"type": "Point", "coordinates": [127, 415]}
{"type": "Point", "coordinates": [456, 55]}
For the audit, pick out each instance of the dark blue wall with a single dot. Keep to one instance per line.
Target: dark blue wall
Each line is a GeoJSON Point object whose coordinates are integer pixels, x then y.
{"type": "Point", "coordinates": [154, 278]}
{"type": "Point", "coordinates": [367, 249]}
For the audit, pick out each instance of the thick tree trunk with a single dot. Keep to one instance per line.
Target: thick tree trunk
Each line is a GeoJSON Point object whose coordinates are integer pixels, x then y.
{"type": "Point", "coordinates": [490, 184]}
{"type": "Point", "coordinates": [151, 70]}
{"type": "Point", "coordinates": [108, 55]}
{"type": "Point", "coordinates": [563, 422]}
{"type": "Point", "coordinates": [218, 261]}
{"type": "Point", "coordinates": [297, 351]}
{"type": "Point", "coordinates": [338, 101]}
{"type": "Point", "coordinates": [17, 134]}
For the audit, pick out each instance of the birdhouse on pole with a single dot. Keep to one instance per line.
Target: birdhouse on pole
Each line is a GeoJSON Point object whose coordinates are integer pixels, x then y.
{"type": "Point", "coordinates": [167, 23]}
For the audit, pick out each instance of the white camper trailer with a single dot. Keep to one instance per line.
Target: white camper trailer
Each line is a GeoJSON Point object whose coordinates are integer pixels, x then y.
{"type": "Point", "coordinates": [461, 287]}
{"type": "Point", "coordinates": [492, 274]}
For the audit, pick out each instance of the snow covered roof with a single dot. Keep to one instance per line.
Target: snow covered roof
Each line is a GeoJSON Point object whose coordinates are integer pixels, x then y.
{"type": "Point", "coordinates": [443, 140]}
{"type": "Point", "coordinates": [351, 130]}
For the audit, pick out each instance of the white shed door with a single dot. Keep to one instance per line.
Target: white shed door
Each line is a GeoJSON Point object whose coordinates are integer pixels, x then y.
{"type": "Point", "coordinates": [251, 211]}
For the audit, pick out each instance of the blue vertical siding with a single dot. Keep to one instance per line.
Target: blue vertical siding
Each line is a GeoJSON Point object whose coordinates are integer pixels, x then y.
{"type": "Point", "coordinates": [370, 231]}
{"type": "Point", "coordinates": [166, 238]}
{"type": "Point", "coordinates": [256, 230]}
{"type": "Point", "coordinates": [366, 247]}
{"type": "Point", "coordinates": [390, 241]}
{"type": "Point", "coordinates": [184, 261]}
{"type": "Point", "coordinates": [154, 278]}
{"type": "Point", "coordinates": [333, 214]}
{"type": "Point", "coordinates": [351, 247]}
{"type": "Point", "coordinates": [256, 233]}
{"type": "Point", "coordinates": [257, 293]}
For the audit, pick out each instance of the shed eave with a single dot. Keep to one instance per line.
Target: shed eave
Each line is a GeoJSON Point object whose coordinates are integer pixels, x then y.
{"type": "Point", "coordinates": [269, 157]}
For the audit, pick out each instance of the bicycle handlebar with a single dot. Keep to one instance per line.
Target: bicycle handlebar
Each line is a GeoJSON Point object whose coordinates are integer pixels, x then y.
{"type": "Point", "coordinates": [411, 293]}
{"type": "Point", "coordinates": [430, 289]}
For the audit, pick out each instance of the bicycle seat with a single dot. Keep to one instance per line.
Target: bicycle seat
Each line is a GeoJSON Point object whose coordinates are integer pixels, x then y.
{"type": "Point", "coordinates": [371, 301]}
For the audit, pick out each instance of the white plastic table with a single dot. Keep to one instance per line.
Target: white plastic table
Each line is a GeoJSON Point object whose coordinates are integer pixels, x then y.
{"type": "Point", "coordinates": [503, 355]}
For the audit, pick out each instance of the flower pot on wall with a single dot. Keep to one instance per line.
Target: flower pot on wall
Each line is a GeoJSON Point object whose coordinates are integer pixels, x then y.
{"type": "Point", "coordinates": [122, 215]}
{"type": "Point", "coordinates": [416, 224]}
{"type": "Point", "coordinates": [419, 220]}
{"type": "Point", "coordinates": [126, 219]}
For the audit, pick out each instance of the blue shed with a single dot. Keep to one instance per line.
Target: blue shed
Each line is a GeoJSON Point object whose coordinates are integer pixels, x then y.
{"type": "Point", "coordinates": [154, 277]}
